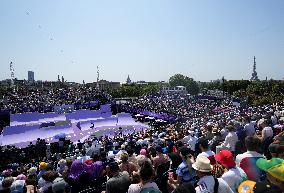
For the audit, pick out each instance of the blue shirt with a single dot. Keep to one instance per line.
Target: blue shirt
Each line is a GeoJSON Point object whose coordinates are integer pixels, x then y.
{"type": "Point", "coordinates": [184, 173]}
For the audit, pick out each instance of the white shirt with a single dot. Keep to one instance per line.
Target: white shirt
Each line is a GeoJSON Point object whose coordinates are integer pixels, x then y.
{"type": "Point", "coordinates": [234, 177]}
{"type": "Point", "coordinates": [247, 154]}
{"type": "Point", "coordinates": [249, 128]}
{"type": "Point", "coordinates": [83, 158]}
{"type": "Point", "coordinates": [273, 120]}
{"type": "Point", "coordinates": [231, 140]}
{"type": "Point", "coordinates": [192, 142]}
{"type": "Point", "coordinates": [224, 133]}
{"type": "Point", "coordinates": [206, 185]}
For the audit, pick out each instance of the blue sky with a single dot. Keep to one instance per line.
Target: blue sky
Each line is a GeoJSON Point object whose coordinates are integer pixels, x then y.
{"type": "Point", "coordinates": [147, 39]}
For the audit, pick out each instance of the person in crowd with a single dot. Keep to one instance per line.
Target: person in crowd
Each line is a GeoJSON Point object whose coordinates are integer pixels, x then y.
{"type": "Point", "coordinates": [62, 167]}
{"type": "Point", "coordinates": [118, 182]}
{"type": "Point", "coordinates": [205, 150]}
{"type": "Point", "coordinates": [248, 126]}
{"type": "Point", "coordinates": [185, 173]}
{"type": "Point", "coordinates": [160, 158]}
{"type": "Point", "coordinates": [276, 150]}
{"type": "Point", "coordinates": [233, 175]}
{"type": "Point", "coordinates": [131, 157]}
{"type": "Point", "coordinates": [59, 185]}
{"type": "Point", "coordinates": [126, 165]}
{"type": "Point", "coordinates": [42, 168]}
{"type": "Point", "coordinates": [146, 174]}
{"type": "Point", "coordinates": [122, 150]}
{"type": "Point", "coordinates": [230, 140]}
{"type": "Point", "coordinates": [207, 183]}
{"type": "Point", "coordinates": [266, 131]}
{"type": "Point", "coordinates": [253, 146]}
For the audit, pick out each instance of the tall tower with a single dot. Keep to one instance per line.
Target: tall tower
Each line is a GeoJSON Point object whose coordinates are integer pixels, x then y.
{"type": "Point", "coordinates": [12, 70]}
{"type": "Point", "coordinates": [98, 78]}
{"type": "Point", "coordinates": [128, 81]}
{"type": "Point", "coordinates": [254, 76]}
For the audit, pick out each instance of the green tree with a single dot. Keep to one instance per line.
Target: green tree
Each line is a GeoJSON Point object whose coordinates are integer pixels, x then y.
{"type": "Point", "coordinates": [181, 80]}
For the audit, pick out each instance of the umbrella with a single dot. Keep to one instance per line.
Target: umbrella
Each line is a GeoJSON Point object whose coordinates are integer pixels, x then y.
{"type": "Point", "coordinates": [60, 136]}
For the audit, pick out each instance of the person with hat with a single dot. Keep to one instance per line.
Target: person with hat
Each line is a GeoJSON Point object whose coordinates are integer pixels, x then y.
{"type": "Point", "coordinates": [42, 167]}
{"type": "Point", "coordinates": [207, 183]}
{"type": "Point", "coordinates": [274, 169]}
{"type": "Point", "coordinates": [233, 175]}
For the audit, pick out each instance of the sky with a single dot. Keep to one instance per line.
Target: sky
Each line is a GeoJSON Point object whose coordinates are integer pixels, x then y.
{"type": "Point", "coordinates": [148, 40]}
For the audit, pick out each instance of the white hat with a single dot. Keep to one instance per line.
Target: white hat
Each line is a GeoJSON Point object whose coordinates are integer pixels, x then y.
{"type": "Point", "coordinates": [202, 164]}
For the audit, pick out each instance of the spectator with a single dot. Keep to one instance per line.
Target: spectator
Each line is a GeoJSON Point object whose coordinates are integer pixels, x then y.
{"type": "Point", "coordinates": [185, 172]}
{"type": "Point", "coordinates": [127, 166]}
{"type": "Point", "coordinates": [230, 140]}
{"type": "Point", "coordinates": [146, 175]}
{"type": "Point", "coordinates": [252, 144]}
{"type": "Point", "coordinates": [205, 151]}
{"type": "Point", "coordinates": [207, 183]}
{"type": "Point", "coordinates": [118, 181]}
{"type": "Point", "coordinates": [234, 175]}
{"type": "Point", "coordinates": [160, 158]}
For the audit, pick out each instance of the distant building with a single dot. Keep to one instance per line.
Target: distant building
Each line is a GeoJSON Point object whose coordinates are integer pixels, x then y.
{"type": "Point", "coordinates": [128, 81]}
{"type": "Point", "coordinates": [254, 76]}
{"type": "Point", "coordinates": [104, 84]}
{"type": "Point", "coordinates": [176, 89]}
{"type": "Point", "coordinates": [142, 82]}
{"type": "Point", "coordinates": [31, 76]}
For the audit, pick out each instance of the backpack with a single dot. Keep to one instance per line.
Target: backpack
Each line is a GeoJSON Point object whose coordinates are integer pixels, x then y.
{"type": "Point", "coordinates": [150, 190]}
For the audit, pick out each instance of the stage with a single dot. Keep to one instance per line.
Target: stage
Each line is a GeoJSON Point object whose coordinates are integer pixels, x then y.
{"type": "Point", "coordinates": [76, 126]}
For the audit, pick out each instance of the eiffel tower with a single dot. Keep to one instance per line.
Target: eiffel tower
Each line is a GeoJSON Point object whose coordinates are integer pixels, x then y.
{"type": "Point", "coordinates": [254, 76]}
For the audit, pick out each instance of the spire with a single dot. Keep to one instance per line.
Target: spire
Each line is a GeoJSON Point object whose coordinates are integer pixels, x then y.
{"type": "Point", "coordinates": [98, 78]}
{"type": "Point", "coordinates": [254, 76]}
{"type": "Point", "coordinates": [128, 81]}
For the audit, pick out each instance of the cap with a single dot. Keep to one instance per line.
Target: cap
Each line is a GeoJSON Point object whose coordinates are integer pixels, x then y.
{"type": "Point", "coordinates": [42, 165]}
{"type": "Point", "coordinates": [275, 167]}
{"type": "Point", "coordinates": [225, 158]}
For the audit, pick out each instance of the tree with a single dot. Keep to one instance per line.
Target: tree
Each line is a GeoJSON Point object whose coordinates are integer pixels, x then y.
{"type": "Point", "coordinates": [181, 80]}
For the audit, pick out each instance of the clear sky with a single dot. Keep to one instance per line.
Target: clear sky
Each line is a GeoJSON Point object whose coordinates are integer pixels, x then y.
{"type": "Point", "coordinates": [148, 39]}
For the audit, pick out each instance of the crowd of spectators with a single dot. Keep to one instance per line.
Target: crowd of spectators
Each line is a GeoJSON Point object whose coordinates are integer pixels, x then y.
{"type": "Point", "coordinates": [212, 146]}
{"type": "Point", "coordinates": [27, 99]}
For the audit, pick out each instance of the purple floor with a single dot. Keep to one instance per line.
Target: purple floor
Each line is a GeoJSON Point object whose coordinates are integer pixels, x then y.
{"type": "Point", "coordinates": [103, 126]}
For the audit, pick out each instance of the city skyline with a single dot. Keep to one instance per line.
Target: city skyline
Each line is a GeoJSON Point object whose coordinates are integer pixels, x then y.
{"type": "Point", "coordinates": [149, 40]}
